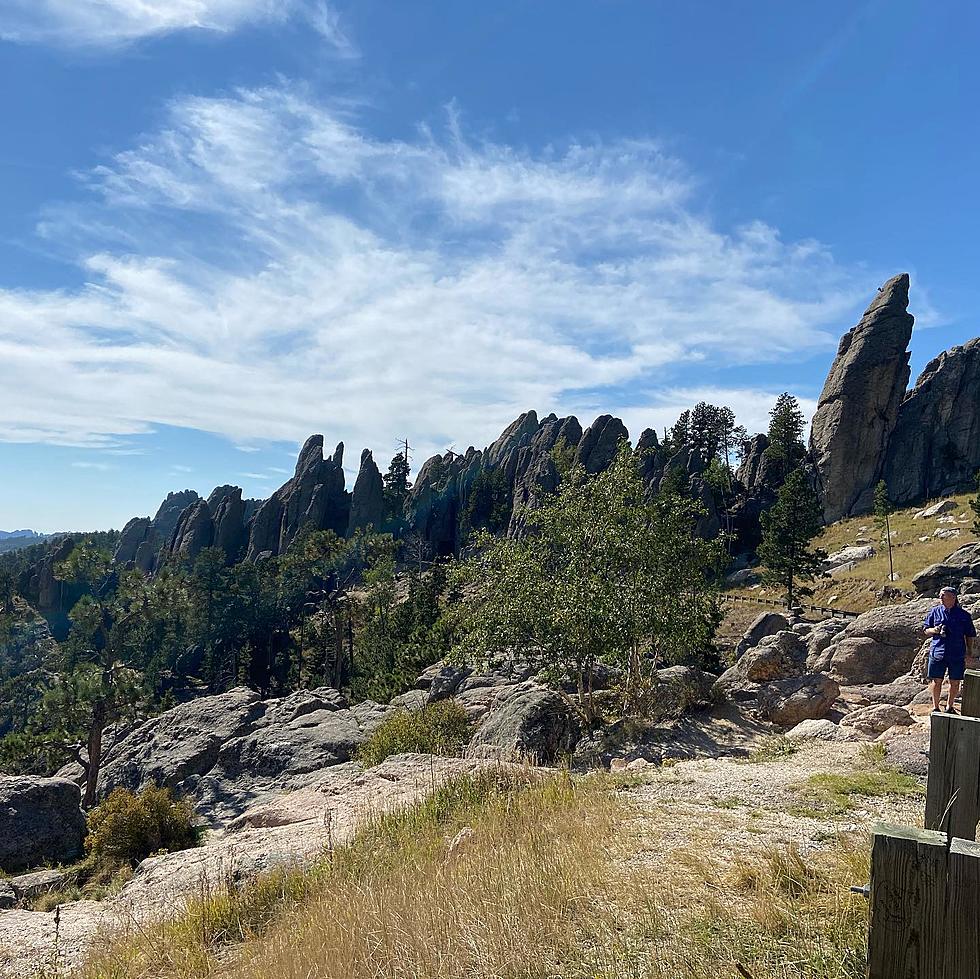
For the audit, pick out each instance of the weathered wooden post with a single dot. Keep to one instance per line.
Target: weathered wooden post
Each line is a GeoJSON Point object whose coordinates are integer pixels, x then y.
{"type": "Point", "coordinates": [953, 788]}
{"type": "Point", "coordinates": [963, 912]}
{"type": "Point", "coordinates": [970, 705]}
{"type": "Point", "coordinates": [907, 928]}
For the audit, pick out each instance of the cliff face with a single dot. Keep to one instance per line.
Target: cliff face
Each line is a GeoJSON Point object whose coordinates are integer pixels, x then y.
{"type": "Point", "coordinates": [859, 405]}
{"type": "Point", "coordinates": [935, 448]}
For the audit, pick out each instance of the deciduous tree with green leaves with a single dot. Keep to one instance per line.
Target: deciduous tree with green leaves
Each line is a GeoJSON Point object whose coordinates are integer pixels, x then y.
{"type": "Point", "coordinates": [788, 529]}
{"type": "Point", "coordinates": [605, 574]}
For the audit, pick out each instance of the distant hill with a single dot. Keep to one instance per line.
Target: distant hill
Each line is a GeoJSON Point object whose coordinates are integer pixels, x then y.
{"type": "Point", "coordinates": [14, 540]}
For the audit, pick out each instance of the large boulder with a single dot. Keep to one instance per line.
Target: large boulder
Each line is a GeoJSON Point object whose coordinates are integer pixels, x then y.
{"type": "Point", "coordinates": [764, 624]}
{"type": "Point", "coordinates": [40, 821]}
{"type": "Point", "coordinates": [878, 646]}
{"type": "Point", "coordinates": [962, 564]}
{"type": "Point", "coordinates": [877, 718]}
{"type": "Point", "coordinates": [774, 658]}
{"type": "Point", "coordinates": [935, 448]}
{"type": "Point", "coordinates": [787, 702]}
{"type": "Point", "coordinates": [858, 407]}
{"type": "Point", "coordinates": [847, 557]}
{"type": "Point", "coordinates": [538, 724]}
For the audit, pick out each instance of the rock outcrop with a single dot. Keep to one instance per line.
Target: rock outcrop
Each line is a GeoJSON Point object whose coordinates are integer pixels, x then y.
{"type": "Point", "coordinates": [229, 751]}
{"type": "Point", "coordinates": [41, 821]}
{"type": "Point", "coordinates": [167, 516]}
{"type": "Point", "coordinates": [962, 566]}
{"type": "Point", "coordinates": [935, 448]}
{"type": "Point", "coordinates": [859, 405]}
{"type": "Point", "coordinates": [368, 501]}
{"type": "Point", "coordinates": [315, 497]}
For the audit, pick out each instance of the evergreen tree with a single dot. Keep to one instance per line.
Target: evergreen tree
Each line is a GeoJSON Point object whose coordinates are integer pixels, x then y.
{"type": "Point", "coordinates": [396, 487]}
{"type": "Point", "coordinates": [788, 529]}
{"type": "Point", "coordinates": [883, 507]}
{"type": "Point", "coordinates": [785, 434]}
{"type": "Point", "coordinates": [975, 507]}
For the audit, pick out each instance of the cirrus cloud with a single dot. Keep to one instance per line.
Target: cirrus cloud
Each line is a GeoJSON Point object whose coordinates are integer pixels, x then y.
{"type": "Point", "coordinates": [263, 267]}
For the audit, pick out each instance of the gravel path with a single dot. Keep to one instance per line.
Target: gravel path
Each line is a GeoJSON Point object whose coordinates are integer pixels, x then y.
{"type": "Point", "coordinates": [733, 807]}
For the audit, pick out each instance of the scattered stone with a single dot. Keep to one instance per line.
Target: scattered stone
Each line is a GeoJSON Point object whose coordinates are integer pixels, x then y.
{"type": "Point", "coordinates": [946, 533]}
{"type": "Point", "coordinates": [847, 558]}
{"type": "Point", "coordinates": [943, 506]}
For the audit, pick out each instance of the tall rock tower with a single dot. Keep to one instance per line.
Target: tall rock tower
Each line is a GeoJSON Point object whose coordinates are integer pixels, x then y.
{"type": "Point", "coordinates": [859, 404]}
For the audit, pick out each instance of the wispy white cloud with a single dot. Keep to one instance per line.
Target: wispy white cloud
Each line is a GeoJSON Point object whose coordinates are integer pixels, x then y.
{"type": "Point", "coordinates": [110, 23]}
{"type": "Point", "coordinates": [101, 466]}
{"type": "Point", "coordinates": [263, 268]}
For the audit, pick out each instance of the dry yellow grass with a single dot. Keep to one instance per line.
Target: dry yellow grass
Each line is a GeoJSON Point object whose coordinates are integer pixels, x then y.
{"type": "Point", "coordinates": [858, 588]}
{"type": "Point", "coordinates": [547, 881]}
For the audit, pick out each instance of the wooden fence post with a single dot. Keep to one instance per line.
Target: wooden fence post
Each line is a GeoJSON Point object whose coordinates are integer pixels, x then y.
{"type": "Point", "coordinates": [971, 694]}
{"type": "Point", "coordinates": [953, 787]}
{"type": "Point", "coordinates": [907, 929]}
{"type": "Point", "coordinates": [963, 912]}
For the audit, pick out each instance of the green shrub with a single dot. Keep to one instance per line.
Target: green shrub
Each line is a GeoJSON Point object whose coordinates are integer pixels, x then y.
{"type": "Point", "coordinates": [437, 729]}
{"type": "Point", "coordinates": [127, 828]}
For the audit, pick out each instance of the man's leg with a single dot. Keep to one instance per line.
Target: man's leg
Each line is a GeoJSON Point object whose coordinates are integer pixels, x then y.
{"type": "Point", "coordinates": [937, 689]}
{"type": "Point", "coordinates": [954, 689]}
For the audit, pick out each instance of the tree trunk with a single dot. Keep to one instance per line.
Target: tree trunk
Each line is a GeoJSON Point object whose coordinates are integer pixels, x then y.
{"type": "Point", "coordinates": [94, 754]}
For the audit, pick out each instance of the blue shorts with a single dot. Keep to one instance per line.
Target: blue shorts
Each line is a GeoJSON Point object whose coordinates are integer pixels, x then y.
{"type": "Point", "coordinates": [938, 668]}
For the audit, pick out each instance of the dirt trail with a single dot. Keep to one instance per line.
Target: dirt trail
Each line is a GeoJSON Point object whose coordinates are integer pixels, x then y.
{"type": "Point", "coordinates": [735, 806]}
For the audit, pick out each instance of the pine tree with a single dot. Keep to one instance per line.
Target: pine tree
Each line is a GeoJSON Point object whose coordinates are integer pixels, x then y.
{"type": "Point", "coordinates": [786, 421]}
{"type": "Point", "coordinates": [883, 507]}
{"type": "Point", "coordinates": [788, 528]}
{"type": "Point", "coordinates": [975, 507]}
{"type": "Point", "coordinates": [396, 487]}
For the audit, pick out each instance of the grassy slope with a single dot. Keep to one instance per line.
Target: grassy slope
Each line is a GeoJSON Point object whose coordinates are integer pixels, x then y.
{"type": "Point", "coordinates": [858, 588]}
{"type": "Point", "coordinates": [497, 879]}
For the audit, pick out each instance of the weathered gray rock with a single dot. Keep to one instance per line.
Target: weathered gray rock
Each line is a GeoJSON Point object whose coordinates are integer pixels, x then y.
{"type": "Point", "coordinates": [368, 500]}
{"type": "Point", "coordinates": [29, 887]}
{"type": "Point", "coordinates": [764, 624]}
{"type": "Point", "coordinates": [879, 646]}
{"type": "Point", "coordinates": [193, 533]}
{"type": "Point", "coordinates": [600, 443]}
{"type": "Point", "coordinates": [818, 730]}
{"type": "Point", "coordinates": [227, 509]}
{"type": "Point", "coordinates": [8, 896]}
{"type": "Point", "coordinates": [136, 532]}
{"type": "Point", "coordinates": [962, 564]}
{"type": "Point", "coordinates": [935, 448]}
{"type": "Point", "coordinates": [315, 497]}
{"type": "Point", "coordinates": [848, 557]}
{"type": "Point", "coordinates": [787, 702]}
{"type": "Point", "coordinates": [877, 718]}
{"type": "Point", "coordinates": [40, 821]}
{"type": "Point", "coordinates": [935, 510]}
{"type": "Point", "coordinates": [537, 724]}
{"type": "Point", "coordinates": [858, 407]}
{"type": "Point", "coordinates": [231, 750]}
{"type": "Point", "coordinates": [818, 640]}
{"type": "Point", "coordinates": [169, 513]}
{"type": "Point", "coordinates": [676, 690]}
{"type": "Point", "coordinates": [774, 658]}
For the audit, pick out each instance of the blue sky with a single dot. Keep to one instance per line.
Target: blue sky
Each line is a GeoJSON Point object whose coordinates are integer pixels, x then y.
{"type": "Point", "coordinates": [231, 223]}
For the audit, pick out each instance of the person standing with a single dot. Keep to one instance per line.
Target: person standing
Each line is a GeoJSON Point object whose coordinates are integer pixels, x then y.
{"type": "Point", "coordinates": [953, 636]}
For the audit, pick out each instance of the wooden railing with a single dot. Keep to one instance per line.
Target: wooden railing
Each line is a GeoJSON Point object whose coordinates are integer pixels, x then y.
{"type": "Point", "coordinates": [827, 612]}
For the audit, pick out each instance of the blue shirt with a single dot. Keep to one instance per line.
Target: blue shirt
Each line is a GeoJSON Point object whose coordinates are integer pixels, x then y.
{"type": "Point", "coordinates": [959, 625]}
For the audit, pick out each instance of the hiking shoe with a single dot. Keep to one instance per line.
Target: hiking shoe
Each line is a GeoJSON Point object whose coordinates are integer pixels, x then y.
{"type": "Point", "coordinates": [951, 710]}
